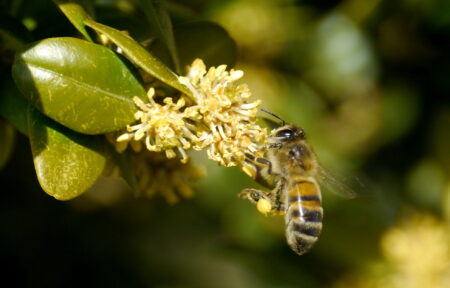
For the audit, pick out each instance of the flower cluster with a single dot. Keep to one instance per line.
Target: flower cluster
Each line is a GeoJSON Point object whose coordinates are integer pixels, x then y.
{"type": "Point", "coordinates": [162, 127]}
{"type": "Point", "coordinates": [221, 120]}
{"type": "Point", "coordinates": [169, 178]}
{"type": "Point", "coordinates": [222, 109]}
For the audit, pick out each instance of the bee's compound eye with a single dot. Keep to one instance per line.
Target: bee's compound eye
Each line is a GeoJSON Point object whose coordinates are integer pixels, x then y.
{"type": "Point", "coordinates": [263, 206]}
{"type": "Point", "coordinates": [285, 134]}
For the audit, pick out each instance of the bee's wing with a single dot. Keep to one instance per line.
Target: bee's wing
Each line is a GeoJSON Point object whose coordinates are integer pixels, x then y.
{"type": "Point", "coordinates": [331, 183]}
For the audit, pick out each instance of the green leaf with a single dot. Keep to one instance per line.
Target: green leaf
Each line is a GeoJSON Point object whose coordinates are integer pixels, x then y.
{"type": "Point", "coordinates": [157, 15]}
{"type": "Point", "coordinates": [67, 163]}
{"type": "Point", "coordinates": [8, 136]}
{"type": "Point", "coordinates": [76, 15]}
{"type": "Point", "coordinates": [204, 40]}
{"type": "Point", "coordinates": [81, 85]}
{"type": "Point", "coordinates": [13, 106]}
{"type": "Point", "coordinates": [140, 56]}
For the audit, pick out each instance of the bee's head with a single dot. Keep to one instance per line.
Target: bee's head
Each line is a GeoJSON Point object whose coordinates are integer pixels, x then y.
{"type": "Point", "coordinates": [284, 134]}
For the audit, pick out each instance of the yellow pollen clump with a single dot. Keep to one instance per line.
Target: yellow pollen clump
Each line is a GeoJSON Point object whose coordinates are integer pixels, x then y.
{"type": "Point", "coordinates": [263, 206]}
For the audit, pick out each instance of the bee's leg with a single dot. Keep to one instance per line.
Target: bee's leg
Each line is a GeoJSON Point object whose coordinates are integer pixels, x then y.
{"type": "Point", "coordinates": [277, 198]}
{"type": "Point", "coordinates": [259, 160]}
{"type": "Point", "coordinates": [265, 162]}
{"type": "Point", "coordinates": [254, 195]}
{"type": "Point", "coordinates": [260, 198]}
{"type": "Point", "coordinates": [260, 169]}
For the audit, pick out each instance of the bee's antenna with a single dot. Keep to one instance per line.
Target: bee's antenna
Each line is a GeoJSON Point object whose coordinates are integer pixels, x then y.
{"type": "Point", "coordinates": [274, 115]}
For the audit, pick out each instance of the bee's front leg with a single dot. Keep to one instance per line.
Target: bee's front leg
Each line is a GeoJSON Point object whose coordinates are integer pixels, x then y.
{"type": "Point", "coordinates": [258, 162]}
{"type": "Point", "coordinates": [260, 169]}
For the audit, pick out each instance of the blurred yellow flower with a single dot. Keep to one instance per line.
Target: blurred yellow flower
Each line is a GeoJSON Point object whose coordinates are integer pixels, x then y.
{"type": "Point", "coordinates": [419, 249]}
{"type": "Point", "coordinates": [416, 254]}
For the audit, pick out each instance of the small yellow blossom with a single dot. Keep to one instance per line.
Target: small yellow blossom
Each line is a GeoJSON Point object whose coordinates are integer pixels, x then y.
{"type": "Point", "coordinates": [162, 127]}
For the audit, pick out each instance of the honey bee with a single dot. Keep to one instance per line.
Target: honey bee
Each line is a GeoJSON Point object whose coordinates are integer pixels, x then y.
{"type": "Point", "coordinates": [290, 167]}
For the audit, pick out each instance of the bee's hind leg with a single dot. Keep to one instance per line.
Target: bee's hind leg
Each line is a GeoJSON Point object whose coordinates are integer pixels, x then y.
{"type": "Point", "coordinates": [253, 195]}
{"type": "Point", "coordinates": [263, 202]}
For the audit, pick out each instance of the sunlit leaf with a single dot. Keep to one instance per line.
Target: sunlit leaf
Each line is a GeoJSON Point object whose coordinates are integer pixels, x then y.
{"type": "Point", "coordinates": [81, 85]}
{"type": "Point", "coordinates": [76, 15]}
{"type": "Point", "coordinates": [140, 56]}
{"type": "Point", "coordinates": [157, 15]}
{"type": "Point", "coordinates": [67, 163]}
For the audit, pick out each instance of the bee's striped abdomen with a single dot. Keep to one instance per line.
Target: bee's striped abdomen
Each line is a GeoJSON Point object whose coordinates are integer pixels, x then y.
{"type": "Point", "coordinates": [303, 214]}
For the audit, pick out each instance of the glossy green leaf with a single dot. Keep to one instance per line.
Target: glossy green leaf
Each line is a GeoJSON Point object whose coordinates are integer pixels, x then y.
{"type": "Point", "coordinates": [140, 56]}
{"type": "Point", "coordinates": [8, 137]}
{"type": "Point", "coordinates": [13, 106]}
{"type": "Point", "coordinates": [76, 15]}
{"type": "Point", "coordinates": [204, 40]}
{"type": "Point", "coordinates": [158, 17]}
{"type": "Point", "coordinates": [67, 163]}
{"type": "Point", "coordinates": [81, 85]}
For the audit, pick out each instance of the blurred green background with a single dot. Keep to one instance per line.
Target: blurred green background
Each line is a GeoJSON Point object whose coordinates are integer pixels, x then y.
{"type": "Point", "coordinates": [370, 83]}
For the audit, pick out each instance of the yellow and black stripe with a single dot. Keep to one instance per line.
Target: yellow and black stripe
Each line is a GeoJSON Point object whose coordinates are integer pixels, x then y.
{"type": "Point", "coordinates": [304, 214]}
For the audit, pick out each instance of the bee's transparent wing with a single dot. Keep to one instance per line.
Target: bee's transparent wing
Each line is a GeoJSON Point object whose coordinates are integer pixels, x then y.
{"type": "Point", "coordinates": [328, 181]}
